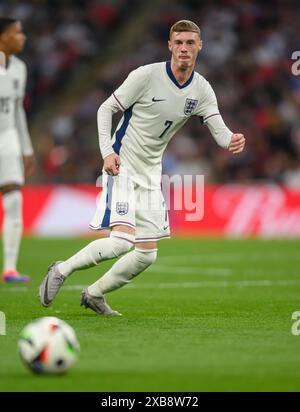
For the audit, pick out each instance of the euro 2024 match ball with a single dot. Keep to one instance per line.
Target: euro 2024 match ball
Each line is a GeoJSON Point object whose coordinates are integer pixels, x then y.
{"type": "Point", "coordinates": [48, 345]}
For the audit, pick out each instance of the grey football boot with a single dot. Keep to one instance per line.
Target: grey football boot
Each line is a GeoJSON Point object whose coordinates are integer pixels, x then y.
{"type": "Point", "coordinates": [51, 284]}
{"type": "Point", "coordinates": [97, 304]}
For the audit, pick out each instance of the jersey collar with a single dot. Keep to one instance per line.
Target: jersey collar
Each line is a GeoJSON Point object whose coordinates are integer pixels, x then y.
{"type": "Point", "coordinates": [172, 77]}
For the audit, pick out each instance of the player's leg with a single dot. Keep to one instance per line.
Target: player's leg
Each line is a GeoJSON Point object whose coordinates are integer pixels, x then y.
{"type": "Point", "coordinates": [12, 232]}
{"type": "Point", "coordinates": [120, 274]}
{"type": "Point", "coordinates": [122, 236]}
{"type": "Point", "coordinates": [11, 181]}
{"type": "Point", "coordinates": [125, 269]}
{"type": "Point", "coordinates": [151, 225]}
{"type": "Point", "coordinates": [119, 242]}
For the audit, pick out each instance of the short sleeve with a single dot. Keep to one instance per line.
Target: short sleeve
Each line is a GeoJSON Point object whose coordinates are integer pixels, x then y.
{"type": "Point", "coordinates": [132, 89]}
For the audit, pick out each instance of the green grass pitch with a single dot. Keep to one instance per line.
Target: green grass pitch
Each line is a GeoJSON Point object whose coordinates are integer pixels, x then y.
{"type": "Point", "coordinates": [210, 315]}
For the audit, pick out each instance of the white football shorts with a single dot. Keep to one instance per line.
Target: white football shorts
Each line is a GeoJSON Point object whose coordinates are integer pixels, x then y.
{"type": "Point", "coordinates": [11, 161]}
{"type": "Point", "coordinates": [123, 202]}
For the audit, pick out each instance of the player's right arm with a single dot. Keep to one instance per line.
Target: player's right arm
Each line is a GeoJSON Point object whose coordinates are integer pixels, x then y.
{"type": "Point", "coordinates": [104, 120]}
{"type": "Point", "coordinates": [123, 98]}
{"type": "Point", "coordinates": [111, 164]}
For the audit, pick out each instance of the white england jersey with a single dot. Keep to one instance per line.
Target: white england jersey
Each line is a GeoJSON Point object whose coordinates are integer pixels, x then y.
{"type": "Point", "coordinates": [12, 86]}
{"type": "Point", "coordinates": [155, 107]}
{"type": "Point", "coordinates": [12, 116]}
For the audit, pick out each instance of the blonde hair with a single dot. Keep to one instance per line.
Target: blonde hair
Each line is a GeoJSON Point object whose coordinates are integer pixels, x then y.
{"type": "Point", "coordinates": [185, 25]}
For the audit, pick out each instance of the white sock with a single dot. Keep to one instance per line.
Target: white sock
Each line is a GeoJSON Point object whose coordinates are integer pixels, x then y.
{"type": "Point", "coordinates": [12, 228]}
{"type": "Point", "coordinates": [98, 251]}
{"type": "Point", "coordinates": [123, 271]}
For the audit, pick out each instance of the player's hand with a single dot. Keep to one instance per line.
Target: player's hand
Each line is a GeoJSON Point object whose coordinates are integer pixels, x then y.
{"type": "Point", "coordinates": [237, 143]}
{"type": "Point", "coordinates": [29, 165]}
{"type": "Point", "coordinates": [112, 164]}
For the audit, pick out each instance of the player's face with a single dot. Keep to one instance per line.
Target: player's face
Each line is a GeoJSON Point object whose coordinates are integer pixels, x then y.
{"type": "Point", "coordinates": [14, 38]}
{"type": "Point", "coordinates": [185, 47]}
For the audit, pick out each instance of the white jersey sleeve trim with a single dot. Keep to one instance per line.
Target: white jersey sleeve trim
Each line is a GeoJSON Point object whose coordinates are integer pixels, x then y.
{"type": "Point", "coordinates": [211, 115]}
{"type": "Point", "coordinates": [119, 103]}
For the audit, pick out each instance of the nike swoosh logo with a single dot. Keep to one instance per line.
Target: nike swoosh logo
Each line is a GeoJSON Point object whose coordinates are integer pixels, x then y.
{"type": "Point", "coordinates": [46, 300]}
{"type": "Point", "coordinates": [166, 227]}
{"type": "Point", "coordinates": [158, 100]}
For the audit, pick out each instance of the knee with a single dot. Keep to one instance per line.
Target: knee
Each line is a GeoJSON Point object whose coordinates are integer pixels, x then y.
{"type": "Point", "coordinates": [146, 257]}
{"type": "Point", "coordinates": [121, 242]}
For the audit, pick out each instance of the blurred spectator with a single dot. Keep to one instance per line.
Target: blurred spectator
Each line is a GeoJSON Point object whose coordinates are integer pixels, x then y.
{"type": "Point", "coordinates": [246, 55]}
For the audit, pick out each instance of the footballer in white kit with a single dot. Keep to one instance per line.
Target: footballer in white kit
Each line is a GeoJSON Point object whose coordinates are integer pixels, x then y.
{"type": "Point", "coordinates": [15, 144]}
{"type": "Point", "coordinates": [157, 100]}
{"type": "Point", "coordinates": [151, 118]}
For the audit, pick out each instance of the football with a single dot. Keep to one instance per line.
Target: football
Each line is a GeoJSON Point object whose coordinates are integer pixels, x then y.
{"type": "Point", "coordinates": [48, 345]}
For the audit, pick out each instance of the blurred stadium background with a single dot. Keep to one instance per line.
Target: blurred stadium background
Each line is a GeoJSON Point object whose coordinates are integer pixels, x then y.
{"type": "Point", "coordinates": [211, 314]}
{"type": "Point", "coordinates": [78, 52]}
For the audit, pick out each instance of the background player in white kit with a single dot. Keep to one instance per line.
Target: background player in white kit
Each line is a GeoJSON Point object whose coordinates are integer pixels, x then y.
{"type": "Point", "coordinates": [16, 152]}
{"type": "Point", "coordinates": [157, 100]}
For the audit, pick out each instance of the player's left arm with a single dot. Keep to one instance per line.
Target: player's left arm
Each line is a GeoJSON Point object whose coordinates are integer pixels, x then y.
{"type": "Point", "coordinates": [211, 117]}
{"type": "Point", "coordinates": [234, 142]}
{"type": "Point", "coordinates": [23, 133]}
